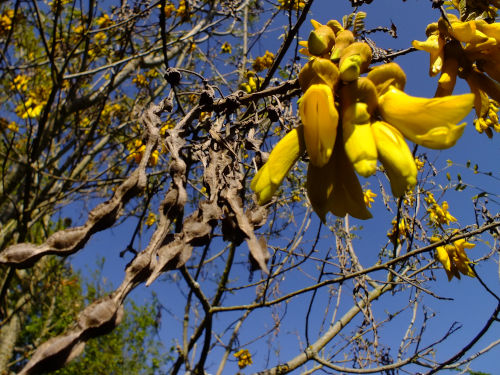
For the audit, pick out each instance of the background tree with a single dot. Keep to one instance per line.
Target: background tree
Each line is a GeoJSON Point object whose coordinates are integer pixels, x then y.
{"type": "Point", "coordinates": [160, 113]}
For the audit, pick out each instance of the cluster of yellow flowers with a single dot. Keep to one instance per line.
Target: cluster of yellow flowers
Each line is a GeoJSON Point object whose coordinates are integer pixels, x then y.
{"type": "Point", "coordinates": [169, 124]}
{"type": "Point", "coordinates": [451, 256]}
{"type": "Point", "coordinates": [168, 9]}
{"type": "Point", "coordinates": [375, 118]}
{"type": "Point", "coordinates": [104, 21]}
{"type": "Point", "coordinates": [226, 48]}
{"type": "Point", "coordinates": [151, 219]}
{"type": "Point", "coordinates": [454, 259]}
{"type": "Point", "coordinates": [438, 214]}
{"type": "Point", "coordinates": [263, 62]}
{"type": "Point", "coordinates": [252, 84]}
{"type": "Point", "coordinates": [469, 50]}
{"type": "Point", "coordinates": [31, 108]}
{"type": "Point", "coordinates": [20, 83]}
{"type": "Point", "coordinates": [244, 358]}
{"type": "Point", "coordinates": [140, 80]}
{"type": "Point", "coordinates": [291, 4]}
{"type": "Point", "coordinates": [137, 149]}
{"type": "Point", "coordinates": [368, 196]}
{"type": "Point", "coordinates": [400, 230]}
{"type": "Point", "coordinates": [6, 21]}
{"type": "Point", "coordinates": [12, 126]}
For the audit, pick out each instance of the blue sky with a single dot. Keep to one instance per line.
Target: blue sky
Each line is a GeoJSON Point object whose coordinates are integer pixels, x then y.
{"type": "Point", "coordinates": [471, 306]}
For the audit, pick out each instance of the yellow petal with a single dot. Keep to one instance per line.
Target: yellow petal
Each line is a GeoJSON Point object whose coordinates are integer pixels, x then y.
{"type": "Point", "coordinates": [443, 258]}
{"type": "Point", "coordinates": [319, 184]}
{"type": "Point", "coordinates": [263, 186]}
{"type": "Point", "coordinates": [284, 155]}
{"type": "Point", "coordinates": [354, 60]}
{"type": "Point", "coordinates": [435, 46]}
{"type": "Point", "coordinates": [320, 118]}
{"type": "Point", "coordinates": [490, 29]}
{"type": "Point", "coordinates": [396, 158]}
{"type": "Point", "coordinates": [321, 40]}
{"type": "Point", "coordinates": [427, 122]}
{"type": "Point", "coordinates": [318, 71]}
{"type": "Point", "coordinates": [387, 74]}
{"type": "Point", "coordinates": [335, 188]}
{"type": "Point", "coordinates": [343, 39]}
{"type": "Point", "coordinates": [347, 195]}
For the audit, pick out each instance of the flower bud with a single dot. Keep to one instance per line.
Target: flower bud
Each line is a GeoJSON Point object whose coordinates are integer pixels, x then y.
{"type": "Point", "coordinates": [396, 158]}
{"type": "Point", "coordinates": [320, 118]}
{"type": "Point", "coordinates": [343, 39]}
{"type": "Point", "coordinates": [386, 75]}
{"type": "Point", "coordinates": [321, 40]}
{"type": "Point", "coordinates": [355, 59]}
{"type": "Point", "coordinates": [318, 71]}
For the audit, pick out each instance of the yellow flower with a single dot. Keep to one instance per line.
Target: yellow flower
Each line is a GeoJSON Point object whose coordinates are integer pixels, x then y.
{"type": "Point", "coordinates": [6, 21]}
{"type": "Point", "coordinates": [282, 158]}
{"type": "Point", "coordinates": [140, 80]}
{"type": "Point", "coordinates": [321, 39]}
{"type": "Point", "coordinates": [20, 83]}
{"type": "Point", "coordinates": [427, 122]}
{"type": "Point", "coordinates": [419, 163]}
{"type": "Point", "coordinates": [244, 358]}
{"type": "Point", "coordinates": [335, 187]}
{"type": "Point", "coordinates": [368, 196]}
{"type": "Point", "coordinates": [354, 59]}
{"type": "Point", "coordinates": [320, 118]}
{"type": "Point", "coordinates": [396, 158]}
{"type": "Point", "coordinates": [439, 214]}
{"type": "Point", "coordinates": [435, 46]}
{"type": "Point", "coordinates": [383, 76]}
{"type": "Point", "coordinates": [263, 62]}
{"type": "Point", "coordinates": [359, 100]}
{"type": "Point", "coordinates": [401, 230]}
{"type": "Point", "coordinates": [454, 259]}
{"type": "Point", "coordinates": [153, 159]}
{"type": "Point", "coordinates": [291, 4]}
{"type": "Point", "coordinates": [318, 70]}
{"type": "Point", "coordinates": [151, 219]}
{"type": "Point", "coordinates": [104, 21]}
{"type": "Point", "coordinates": [226, 48]}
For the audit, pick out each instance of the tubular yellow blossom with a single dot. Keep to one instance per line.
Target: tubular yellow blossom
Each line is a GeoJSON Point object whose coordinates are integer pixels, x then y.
{"type": "Point", "coordinates": [359, 99]}
{"type": "Point", "coordinates": [491, 30]}
{"type": "Point", "coordinates": [335, 187]}
{"type": "Point", "coordinates": [320, 118]}
{"type": "Point", "coordinates": [318, 71]}
{"type": "Point", "coordinates": [368, 196]}
{"type": "Point", "coordinates": [435, 46]}
{"type": "Point", "coordinates": [427, 122]}
{"type": "Point", "coordinates": [396, 158]}
{"type": "Point", "coordinates": [449, 73]}
{"type": "Point", "coordinates": [321, 40]}
{"type": "Point", "coordinates": [151, 219]}
{"type": "Point", "coordinates": [344, 38]}
{"type": "Point", "coordinates": [244, 358]}
{"type": "Point", "coordinates": [454, 259]}
{"type": "Point", "coordinates": [336, 27]}
{"type": "Point", "coordinates": [383, 76]}
{"type": "Point", "coordinates": [226, 48]}
{"type": "Point", "coordinates": [481, 100]}
{"type": "Point", "coordinates": [282, 158]}
{"type": "Point", "coordinates": [354, 60]}
{"type": "Point", "coordinates": [439, 214]}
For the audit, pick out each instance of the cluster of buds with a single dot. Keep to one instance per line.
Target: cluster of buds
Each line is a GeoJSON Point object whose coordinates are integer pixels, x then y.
{"type": "Point", "coordinates": [471, 51]}
{"type": "Point", "coordinates": [349, 121]}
